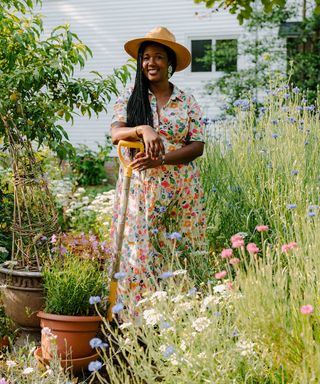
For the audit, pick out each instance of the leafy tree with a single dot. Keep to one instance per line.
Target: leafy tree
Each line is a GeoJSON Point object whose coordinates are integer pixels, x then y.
{"type": "Point", "coordinates": [244, 8]}
{"type": "Point", "coordinates": [37, 85]}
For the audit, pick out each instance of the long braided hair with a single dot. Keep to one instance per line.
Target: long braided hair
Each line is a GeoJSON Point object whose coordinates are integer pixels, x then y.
{"type": "Point", "coordinates": [138, 108]}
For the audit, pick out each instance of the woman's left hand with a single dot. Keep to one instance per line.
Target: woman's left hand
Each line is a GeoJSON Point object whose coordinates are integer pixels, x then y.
{"type": "Point", "coordinates": [142, 161]}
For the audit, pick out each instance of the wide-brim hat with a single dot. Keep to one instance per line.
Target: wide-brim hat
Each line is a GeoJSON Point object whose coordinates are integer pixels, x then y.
{"type": "Point", "coordinates": [163, 36]}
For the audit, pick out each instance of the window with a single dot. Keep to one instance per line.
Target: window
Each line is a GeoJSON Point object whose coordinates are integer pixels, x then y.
{"type": "Point", "coordinates": [198, 51]}
{"type": "Point", "coordinates": [224, 55]}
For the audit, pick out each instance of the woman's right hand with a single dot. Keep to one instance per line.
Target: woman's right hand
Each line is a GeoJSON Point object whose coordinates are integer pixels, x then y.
{"type": "Point", "coordinates": [152, 141]}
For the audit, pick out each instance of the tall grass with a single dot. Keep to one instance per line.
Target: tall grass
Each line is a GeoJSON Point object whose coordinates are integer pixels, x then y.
{"type": "Point", "coordinates": [252, 326]}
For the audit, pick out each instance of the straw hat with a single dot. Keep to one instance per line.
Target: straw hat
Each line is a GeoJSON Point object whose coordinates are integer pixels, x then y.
{"type": "Point", "coordinates": [163, 36]}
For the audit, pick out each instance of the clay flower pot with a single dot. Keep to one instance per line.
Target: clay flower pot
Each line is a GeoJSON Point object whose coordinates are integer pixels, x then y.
{"type": "Point", "coordinates": [71, 335]}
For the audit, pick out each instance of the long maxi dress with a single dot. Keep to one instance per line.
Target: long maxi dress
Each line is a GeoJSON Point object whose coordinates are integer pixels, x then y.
{"type": "Point", "coordinates": [162, 201]}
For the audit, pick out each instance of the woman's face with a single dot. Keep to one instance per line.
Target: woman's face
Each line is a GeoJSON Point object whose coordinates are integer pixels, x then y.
{"type": "Point", "coordinates": [155, 63]}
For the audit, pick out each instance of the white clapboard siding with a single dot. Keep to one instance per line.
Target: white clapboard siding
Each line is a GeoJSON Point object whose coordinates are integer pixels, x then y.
{"type": "Point", "coordinates": [105, 25]}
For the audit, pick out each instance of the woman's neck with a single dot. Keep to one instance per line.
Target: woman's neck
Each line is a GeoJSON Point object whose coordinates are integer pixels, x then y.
{"type": "Point", "coordinates": [163, 88]}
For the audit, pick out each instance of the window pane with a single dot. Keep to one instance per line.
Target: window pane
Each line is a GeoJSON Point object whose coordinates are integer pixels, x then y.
{"type": "Point", "coordinates": [226, 55]}
{"type": "Point", "coordinates": [198, 51]}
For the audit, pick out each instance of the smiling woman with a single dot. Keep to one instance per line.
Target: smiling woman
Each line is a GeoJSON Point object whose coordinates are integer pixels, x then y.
{"type": "Point", "coordinates": [165, 194]}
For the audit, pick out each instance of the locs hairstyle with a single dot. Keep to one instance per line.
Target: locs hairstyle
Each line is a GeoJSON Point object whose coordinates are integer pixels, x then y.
{"type": "Point", "coordinates": [138, 108]}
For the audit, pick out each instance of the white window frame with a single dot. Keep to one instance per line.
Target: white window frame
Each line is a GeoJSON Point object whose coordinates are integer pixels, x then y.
{"type": "Point", "coordinates": [213, 38]}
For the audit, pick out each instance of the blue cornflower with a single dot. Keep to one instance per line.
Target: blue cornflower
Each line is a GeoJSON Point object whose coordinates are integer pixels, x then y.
{"type": "Point", "coordinates": [94, 366]}
{"type": "Point", "coordinates": [175, 236]}
{"type": "Point", "coordinates": [306, 142]}
{"type": "Point", "coordinates": [299, 108]}
{"type": "Point", "coordinates": [166, 275]}
{"type": "Point", "coordinates": [162, 209]}
{"type": "Point", "coordinates": [94, 300]}
{"type": "Point", "coordinates": [291, 206]}
{"type": "Point", "coordinates": [275, 121]}
{"type": "Point", "coordinates": [192, 291]}
{"type": "Point", "coordinates": [95, 342]}
{"type": "Point", "coordinates": [262, 109]}
{"type": "Point", "coordinates": [214, 189]}
{"type": "Point", "coordinates": [168, 352]}
{"type": "Point", "coordinates": [117, 308]}
{"type": "Point", "coordinates": [120, 275]}
{"type": "Point", "coordinates": [291, 119]}
{"type": "Point", "coordinates": [294, 172]}
{"type": "Point", "coordinates": [170, 195]}
{"type": "Point", "coordinates": [235, 333]}
{"type": "Point", "coordinates": [225, 107]}
{"type": "Point", "coordinates": [154, 231]}
{"type": "Point", "coordinates": [217, 314]}
{"type": "Point", "coordinates": [311, 214]}
{"type": "Point", "coordinates": [310, 108]}
{"type": "Point", "coordinates": [286, 96]}
{"type": "Point", "coordinates": [275, 135]}
{"type": "Point", "coordinates": [296, 90]}
{"type": "Point", "coordinates": [165, 325]}
{"type": "Point", "coordinates": [285, 108]}
{"type": "Point", "coordinates": [237, 103]}
{"type": "Point", "coordinates": [313, 206]}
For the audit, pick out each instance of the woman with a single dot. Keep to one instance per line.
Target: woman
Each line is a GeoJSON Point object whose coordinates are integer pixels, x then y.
{"type": "Point", "coordinates": [166, 203]}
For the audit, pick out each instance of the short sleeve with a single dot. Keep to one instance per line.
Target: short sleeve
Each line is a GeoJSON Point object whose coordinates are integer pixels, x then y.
{"type": "Point", "coordinates": [120, 107]}
{"type": "Point", "coordinates": [196, 123]}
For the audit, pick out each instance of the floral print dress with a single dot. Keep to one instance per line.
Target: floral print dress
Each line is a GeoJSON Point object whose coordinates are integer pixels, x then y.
{"type": "Point", "coordinates": [164, 202]}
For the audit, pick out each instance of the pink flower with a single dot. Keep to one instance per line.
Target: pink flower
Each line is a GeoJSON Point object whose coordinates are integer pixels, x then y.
{"type": "Point", "coordinates": [3, 381]}
{"type": "Point", "coordinates": [230, 285]}
{"type": "Point", "coordinates": [236, 238]}
{"type": "Point", "coordinates": [220, 275]}
{"type": "Point", "coordinates": [306, 309]}
{"type": "Point", "coordinates": [262, 228]}
{"type": "Point", "coordinates": [234, 261]}
{"type": "Point", "coordinates": [226, 253]}
{"type": "Point", "coordinates": [286, 247]}
{"type": "Point", "coordinates": [252, 248]}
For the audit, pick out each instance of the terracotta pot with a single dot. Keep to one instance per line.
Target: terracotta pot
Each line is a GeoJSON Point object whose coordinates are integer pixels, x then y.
{"type": "Point", "coordinates": [22, 296]}
{"type": "Point", "coordinates": [76, 365]}
{"type": "Point", "coordinates": [73, 334]}
{"type": "Point", "coordinates": [4, 342]}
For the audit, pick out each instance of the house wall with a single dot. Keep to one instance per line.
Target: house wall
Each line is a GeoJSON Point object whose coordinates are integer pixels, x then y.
{"type": "Point", "coordinates": [105, 25]}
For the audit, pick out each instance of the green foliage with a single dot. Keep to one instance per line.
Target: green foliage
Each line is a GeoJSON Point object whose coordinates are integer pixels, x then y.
{"type": "Point", "coordinates": [6, 325]}
{"type": "Point", "coordinates": [304, 57]}
{"type": "Point", "coordinates": [6, 208]}
{"type": "Point", "coordinates": [245, 8]}
{"type": "Point", "coordinates": [37, 87]}
{"type": "Point", "coordinates": [69, 282]}
{"type": "Point", "coordinates": [88, 165]}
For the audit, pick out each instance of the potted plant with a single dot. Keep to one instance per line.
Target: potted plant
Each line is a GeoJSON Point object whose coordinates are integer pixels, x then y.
{"type": "Point", "coordinates": [37, 92]}
{"type": "Point", "coordinates": [68, 318]}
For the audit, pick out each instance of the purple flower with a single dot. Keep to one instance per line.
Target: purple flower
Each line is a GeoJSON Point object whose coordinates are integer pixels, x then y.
{"type": "Point", "coordinates": [309, 108]}
{"type": "Point", "coordinates": [154, 231]}
{"type": "Point", "coordinates": [311, 214]}
{"type": "Point", "coordinates": [53, 239]}
{"type": "Point", "coordinates": [94, 300]}
{"type": "Point", "coordinates": [117, 308]}
{"type": "Point", "coordinates": [291, 119]}
{"type": "Point", "coordinates": [313, 206]}
{"type": "Point", "coordinates": [162, 209]}
{"type": "Point", "coordinates": [296, 90]}
{"type": "Point", "coordinates": [294, 172]}
{"type": "Point", "coordinates": [120, 275]}
{"type": "Point", "coordinates": [95, 342]}
{"type": "Point", "coordinates": [275, 135]}
{"type": "Point", "coordinates": [286, 96]}
{"type": "Point", "coordinates": [63, 250]}
{"type": "Point", "coordinates": [291, 206]}
{"type": "Point", "coordinates": [168, 352]}
{"type": "Point", "coordinates": [175, 236]}
{"type": "Point", "coordinates": [166, 275]}
{"type": "Point", "coordinates": [214, 189]}
{"type": "Point", "coordinates": [165, 325]}
{"type": "Point", "coordinates": [94, 366]}
{"type": "Point", "coordinates": [192, 291]}
{"type": "Point", "coordinates": [274, 122]}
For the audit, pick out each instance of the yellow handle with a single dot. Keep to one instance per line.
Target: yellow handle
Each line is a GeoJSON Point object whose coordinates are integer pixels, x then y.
{"type": "Point", "coordinates": [128, 144]}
